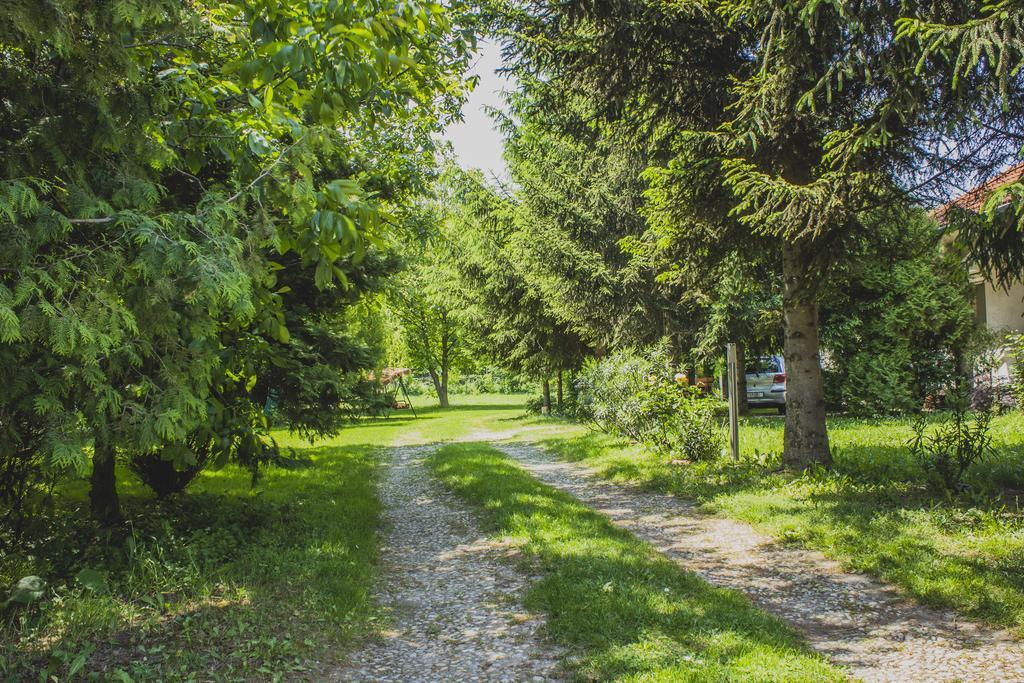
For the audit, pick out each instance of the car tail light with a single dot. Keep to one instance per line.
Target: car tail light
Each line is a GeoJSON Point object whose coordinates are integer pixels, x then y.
{"type": "Point", "coordinates": [780, 378]}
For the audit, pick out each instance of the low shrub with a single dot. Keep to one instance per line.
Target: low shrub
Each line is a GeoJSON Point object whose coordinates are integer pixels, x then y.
{"type": "Point", "coordinates": [638, 396]}
{"type": "Point", "coordinates": [1015, 348]}
{"type": "Point", "coordinates": [25, 485]}
{"type": "Point", "coordinates": [488, 380]}
{"type": "Point", "coordinates": [948, 451]}
{"type": "Point", "coordinates": [570, 407]}
{"type": "Point", "coordinates": [897, 319]}
{"type": "Point", "coordinates": [419, 386]}
{"type": "Point", "coordinates": [993, 393]}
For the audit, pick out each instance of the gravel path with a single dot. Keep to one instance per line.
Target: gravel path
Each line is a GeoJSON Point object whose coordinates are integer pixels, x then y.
{"type": "Point", "coordinates": [860, 623]}
{"type": "Point", "coordinates": [453, 595]}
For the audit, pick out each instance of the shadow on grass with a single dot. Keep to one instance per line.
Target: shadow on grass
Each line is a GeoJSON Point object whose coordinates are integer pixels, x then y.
{"type": "Point", "coordinates": [628, 610]}
{"type": "Point", "coordinates": [872, 511]}
{"type": "Point", "coordinates": [226, 579]}
{"type": "Point", "coordinates": [528, 418]}
{"type": "Point", "coordinates": [375, 422]}
{"type": "Point", "coordinates": [890, 532]}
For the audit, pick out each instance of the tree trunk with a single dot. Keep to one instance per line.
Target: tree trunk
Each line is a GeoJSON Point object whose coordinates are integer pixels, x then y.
{"type": "Point", "coordinates": [741, 363]}
{"type": "Point", "coordinates": [558, 392]}
{"type": "Point", "coordinates": [106, 509]}
{"type": "Point", "coordinates": [440, 388]}
{"type": "Point", "coordinates": [443, 397]}
{"type": "Point", "coordinates": [806, 440]}
{"type": "Point", "coordinates": [446, 342]}
{"type": "Point", "coordinates": [545, 406]}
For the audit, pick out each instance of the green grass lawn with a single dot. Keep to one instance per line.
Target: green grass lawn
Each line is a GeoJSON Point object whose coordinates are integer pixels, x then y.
{"type": "Point", "coordinates": [226, 582]}
{"type": "Point", "coordinates": [626, 612]}
{"type": "Point", "coordinates": [500, 414]}
{"type": "Point", "coordinates": [872, 511]}
{"type": "Point", "coordinates": [230, 582]}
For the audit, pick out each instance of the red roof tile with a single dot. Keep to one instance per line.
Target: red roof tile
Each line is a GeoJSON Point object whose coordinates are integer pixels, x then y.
{"type": "Point", "coordinates": [973, 200]}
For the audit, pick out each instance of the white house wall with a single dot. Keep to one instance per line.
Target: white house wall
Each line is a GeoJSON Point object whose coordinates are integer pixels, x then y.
{"type": "Point", "coordinates": [1004, 311]}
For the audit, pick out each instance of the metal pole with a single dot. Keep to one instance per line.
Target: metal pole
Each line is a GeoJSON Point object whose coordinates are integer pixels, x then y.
{"type": "Point", "coordinates": [405, 392]}
{"type": "Point", "coordinates": [733, 370]}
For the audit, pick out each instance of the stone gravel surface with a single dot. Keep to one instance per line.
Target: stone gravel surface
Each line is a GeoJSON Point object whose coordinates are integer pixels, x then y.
{"type": "Point", "coordinates": [452, 595]}
{"type": "Point", "coordinates": [860, 623]}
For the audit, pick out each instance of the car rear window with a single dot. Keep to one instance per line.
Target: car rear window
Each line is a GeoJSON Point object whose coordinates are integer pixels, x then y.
{"type": "Point", "coordinates": [762, 366]}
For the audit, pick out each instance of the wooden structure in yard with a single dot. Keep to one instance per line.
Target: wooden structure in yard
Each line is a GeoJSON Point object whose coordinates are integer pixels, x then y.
{"type": "Point", "coordinates": [393, 380]}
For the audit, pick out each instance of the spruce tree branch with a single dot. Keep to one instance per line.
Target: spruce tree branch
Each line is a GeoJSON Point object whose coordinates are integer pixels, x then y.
{"type": "Point", "coordinates": [92, 221]}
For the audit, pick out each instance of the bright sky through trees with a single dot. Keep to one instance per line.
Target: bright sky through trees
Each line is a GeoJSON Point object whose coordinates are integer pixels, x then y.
{"type": "Point", "coordinates": [476, 140]}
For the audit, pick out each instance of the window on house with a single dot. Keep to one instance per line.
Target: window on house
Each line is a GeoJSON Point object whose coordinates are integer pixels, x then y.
{"type": "Point", "coordinates": [980, 313]}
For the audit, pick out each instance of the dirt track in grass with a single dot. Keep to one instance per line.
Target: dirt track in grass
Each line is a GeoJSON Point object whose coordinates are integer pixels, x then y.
{"type": "Point", "coordinates": [858, 622]}
{"type": "Point", "coordinates": [451, 593]}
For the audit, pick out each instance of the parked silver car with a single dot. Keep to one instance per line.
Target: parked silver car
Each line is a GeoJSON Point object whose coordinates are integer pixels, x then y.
{"type": "Point", "coordinates": [766, 383]}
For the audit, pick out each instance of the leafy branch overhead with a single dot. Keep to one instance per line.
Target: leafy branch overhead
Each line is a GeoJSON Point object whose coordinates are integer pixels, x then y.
{"type": "Point", "coordinates": [173, 176]}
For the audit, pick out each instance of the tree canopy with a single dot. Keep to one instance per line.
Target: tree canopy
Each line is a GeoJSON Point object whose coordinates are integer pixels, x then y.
{"type": "Point", "coordinates": [198, 197]}
{"type": "Point", "coordinates": [776, 127]}
{"type": "Point", "coordinates": [185, 186]}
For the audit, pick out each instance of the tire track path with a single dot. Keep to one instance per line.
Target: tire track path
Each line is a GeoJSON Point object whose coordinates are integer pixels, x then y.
{"type": "Point", "coordinates": [452, 595]}
{"type": "Point", "coordinates": [860, 623]}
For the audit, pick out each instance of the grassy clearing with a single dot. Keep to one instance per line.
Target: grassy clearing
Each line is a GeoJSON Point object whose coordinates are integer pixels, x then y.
{"type": "Point", "coordinates": [486, 416]}
{"type": "Point", "coordinates": [871, 511]}
{"type": "Point", "coordinates": [224, 583]}
{"type": "Point", "coordinates": [628, 612]}
{"type": "Point", "coordinates": [269, 582]}
{"type": "Point", "coordinates": [490, 417]}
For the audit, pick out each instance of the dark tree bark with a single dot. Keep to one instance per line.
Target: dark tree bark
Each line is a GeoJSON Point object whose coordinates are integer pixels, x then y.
{"type": "Point", "coordinates": [805, 442]}
{"type": "Point", "coordinates": [558, 393]}
{"type": "Point", "coordinates": [545, 406]}
{"type": "Point", "coordinates": [103, 501]}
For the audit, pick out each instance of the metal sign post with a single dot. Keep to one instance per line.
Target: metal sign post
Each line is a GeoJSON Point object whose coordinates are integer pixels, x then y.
{"type": "Point", "coordinates": [733, 378]}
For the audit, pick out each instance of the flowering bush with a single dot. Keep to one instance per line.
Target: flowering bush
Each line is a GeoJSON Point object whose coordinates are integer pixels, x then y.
{"type": "Point", "coordinates": [637, 395]}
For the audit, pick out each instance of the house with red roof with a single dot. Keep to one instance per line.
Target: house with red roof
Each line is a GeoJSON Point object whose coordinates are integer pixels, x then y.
{"type": "Point", "coordinates": [1002, 310]}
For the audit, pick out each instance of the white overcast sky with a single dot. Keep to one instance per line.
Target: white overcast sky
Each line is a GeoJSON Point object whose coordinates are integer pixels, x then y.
{"type": "Point", "coordinates": [476, 140]}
